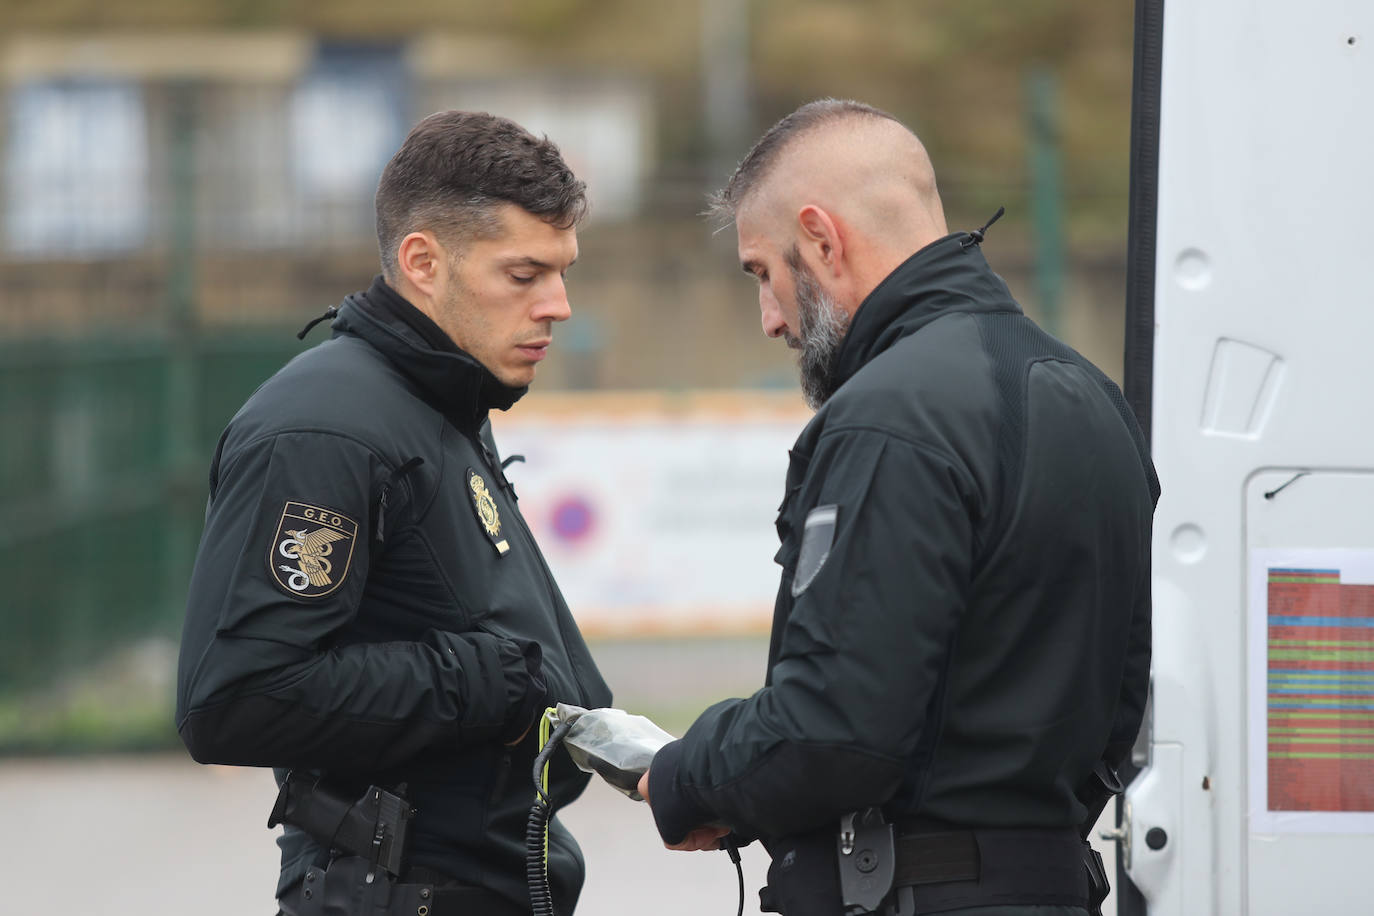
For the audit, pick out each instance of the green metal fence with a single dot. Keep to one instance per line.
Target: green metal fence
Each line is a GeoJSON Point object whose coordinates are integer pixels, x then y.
{"type": "Point", "coordinates": [104, 446]}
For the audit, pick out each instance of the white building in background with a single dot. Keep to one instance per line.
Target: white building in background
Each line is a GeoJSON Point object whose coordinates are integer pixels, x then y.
{"type": "Point", "coordinates": [76, 168]}
{"type": "Point", "coordinates": [286, 134]}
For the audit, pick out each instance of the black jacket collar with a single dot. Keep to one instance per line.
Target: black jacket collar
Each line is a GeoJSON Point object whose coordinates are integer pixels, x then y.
{"type": "Point", "coordinates": [948, 275]}
{"type": "Point", "coordinates": [454, 382]}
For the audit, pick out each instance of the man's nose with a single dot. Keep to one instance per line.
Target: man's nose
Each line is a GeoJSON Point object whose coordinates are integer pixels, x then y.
{"type": "Point", "coordinates": [554, 306]}
{"type": "Point", "coordinates": [773, 323]}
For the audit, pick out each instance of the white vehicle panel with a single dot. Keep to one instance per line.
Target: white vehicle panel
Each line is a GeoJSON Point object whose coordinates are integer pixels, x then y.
{"type": "Point", "coordinates": [1264, 324]}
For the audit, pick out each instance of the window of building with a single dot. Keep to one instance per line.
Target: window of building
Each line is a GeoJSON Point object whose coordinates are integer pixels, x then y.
{"type": "Point", "coordinates": [75, 169]}
{"type": "Point", "coordinates": [347, 117]}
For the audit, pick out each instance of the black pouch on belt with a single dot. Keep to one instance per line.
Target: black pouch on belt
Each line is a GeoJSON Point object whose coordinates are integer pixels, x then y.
{"type": "Point", "coordinates": [804, 879]}
{"type": "Point", "coordinates": [342, 889]}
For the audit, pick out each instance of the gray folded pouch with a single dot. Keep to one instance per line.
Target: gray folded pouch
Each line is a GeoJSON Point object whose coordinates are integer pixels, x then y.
{"type": "Point", "coordinates": [611, 743]}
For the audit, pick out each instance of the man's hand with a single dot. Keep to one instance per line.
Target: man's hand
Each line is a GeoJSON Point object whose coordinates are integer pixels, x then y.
{"type": "Point", "coordinates": [702, 838]}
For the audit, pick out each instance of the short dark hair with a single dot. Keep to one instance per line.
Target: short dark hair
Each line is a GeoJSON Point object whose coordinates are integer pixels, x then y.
{"type": "Point", "coordinates": [456, 167]}
{"type": "Point", "coordinates": [759, 161]}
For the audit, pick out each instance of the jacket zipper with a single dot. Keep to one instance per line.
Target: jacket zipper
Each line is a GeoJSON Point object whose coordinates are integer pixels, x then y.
{"type": "Point", "coordinates": [392, 480]}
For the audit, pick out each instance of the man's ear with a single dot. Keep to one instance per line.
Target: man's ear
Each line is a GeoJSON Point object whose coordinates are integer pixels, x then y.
{"type": "Point", "coordinates": [818, 230]}
{"type": "Point", "coordinates": [419, 258]}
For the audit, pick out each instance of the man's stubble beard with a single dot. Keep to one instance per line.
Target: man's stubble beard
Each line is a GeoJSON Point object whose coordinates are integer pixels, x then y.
{"type": "Point", "coordinates": [822, 325]}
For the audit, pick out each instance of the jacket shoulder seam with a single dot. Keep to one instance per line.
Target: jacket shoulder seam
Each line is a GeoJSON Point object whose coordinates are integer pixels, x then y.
{"type": "Point", "coordinates": [908, 441]}
{"type": "Point", "coordinates": [314, 430]}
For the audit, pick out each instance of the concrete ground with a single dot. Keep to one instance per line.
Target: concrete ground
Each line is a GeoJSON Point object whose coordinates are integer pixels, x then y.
{"type": "Point", "coordinates": [154, 835]}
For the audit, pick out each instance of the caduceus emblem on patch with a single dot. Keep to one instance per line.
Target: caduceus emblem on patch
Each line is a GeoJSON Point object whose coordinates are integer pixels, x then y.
{"type": "Point", "coordinates": [484, 504]}
{"type": "Point", "coordinates": [311, 550]}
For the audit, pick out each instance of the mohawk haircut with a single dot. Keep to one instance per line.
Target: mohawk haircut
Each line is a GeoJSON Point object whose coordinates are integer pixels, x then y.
{"type": "Point", "coordinates": [760, 160]}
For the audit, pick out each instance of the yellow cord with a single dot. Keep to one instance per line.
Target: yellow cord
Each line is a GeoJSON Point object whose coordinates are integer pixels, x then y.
{"type": "Point", "coordinates": [545, 729]}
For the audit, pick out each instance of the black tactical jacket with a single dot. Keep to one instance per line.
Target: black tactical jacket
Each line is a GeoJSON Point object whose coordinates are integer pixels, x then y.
{"type": "Point", "coordinates": [368, 603]}
{"type": "Point", "coordinates": [963, 624]}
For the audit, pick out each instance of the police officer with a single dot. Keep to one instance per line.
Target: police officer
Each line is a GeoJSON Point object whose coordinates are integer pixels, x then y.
{"type": "Point", "coordinates": [368, 609]}
{"type": "Point", "coordinates": [961, 638]}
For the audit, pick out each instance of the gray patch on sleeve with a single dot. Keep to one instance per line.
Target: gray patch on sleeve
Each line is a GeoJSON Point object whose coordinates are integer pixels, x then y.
{"type": "Point", "coordinates": [818, 536]}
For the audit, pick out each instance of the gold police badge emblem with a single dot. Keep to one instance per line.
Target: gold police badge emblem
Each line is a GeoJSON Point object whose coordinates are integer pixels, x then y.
{"type": "Point", "coordinates": [484, 504]}
{"type": "Point", "coordinates": [312, 549]}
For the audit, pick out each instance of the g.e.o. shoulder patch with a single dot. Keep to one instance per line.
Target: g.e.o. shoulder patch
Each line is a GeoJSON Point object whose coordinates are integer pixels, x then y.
{"type": "Point", "coordinates": [311, 550]}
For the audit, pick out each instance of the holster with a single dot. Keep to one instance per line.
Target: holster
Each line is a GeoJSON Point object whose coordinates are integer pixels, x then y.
{"type": "Point", "coordinates": [373, 828]}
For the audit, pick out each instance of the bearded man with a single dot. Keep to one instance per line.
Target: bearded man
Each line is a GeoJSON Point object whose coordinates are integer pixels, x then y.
{"type": "Point", "coordinates": [961, 641]}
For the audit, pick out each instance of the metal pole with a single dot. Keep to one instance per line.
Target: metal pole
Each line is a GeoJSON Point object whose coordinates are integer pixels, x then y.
{"type": "Point", "coordinates": [181, 320]}
{"type": "Point", "coordinates": [1047, 196]}
{"type": "Point", "coordinates": [726, 107]}
{"type": "Point", "coordinates": [1138, 370]}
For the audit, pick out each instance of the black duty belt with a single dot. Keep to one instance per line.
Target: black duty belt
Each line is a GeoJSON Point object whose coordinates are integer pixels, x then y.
{"type": "Point", "coordinates": [341, 890]}
{"type": "Point", "coordinates": [453, 899]}
{"type": "Point", "coordinates": [949, 869]}
{"type": "Point", "coordinates": [472, 901]}
{"type": "Point", "coordinates": [933, 869]}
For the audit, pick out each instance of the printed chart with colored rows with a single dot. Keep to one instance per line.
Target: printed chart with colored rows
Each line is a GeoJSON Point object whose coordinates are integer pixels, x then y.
{"type": "Point", "coordinates": [1320, 692]}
